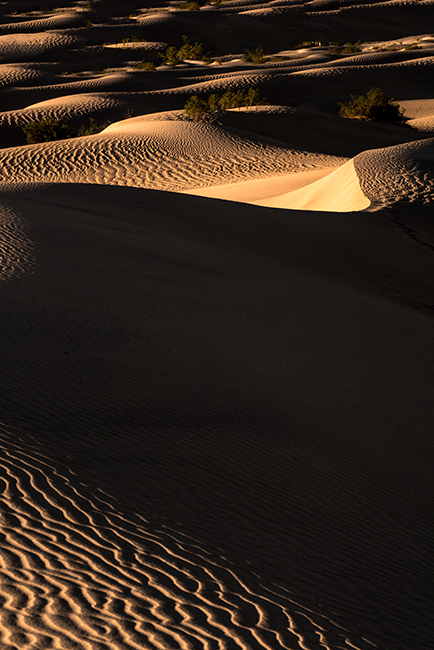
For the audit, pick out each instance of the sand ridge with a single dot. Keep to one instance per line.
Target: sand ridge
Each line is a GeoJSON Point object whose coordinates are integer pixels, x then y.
{"type": "Point", "coordinates": [170, 155]}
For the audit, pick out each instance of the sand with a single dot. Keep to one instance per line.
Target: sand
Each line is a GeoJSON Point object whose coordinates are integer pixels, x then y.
{"type": "Point", "coordinates": [217, 339]}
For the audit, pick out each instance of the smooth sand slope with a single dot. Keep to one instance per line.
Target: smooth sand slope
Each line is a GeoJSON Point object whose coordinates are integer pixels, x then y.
{"type": "Point", "coordinates": [216, 381]}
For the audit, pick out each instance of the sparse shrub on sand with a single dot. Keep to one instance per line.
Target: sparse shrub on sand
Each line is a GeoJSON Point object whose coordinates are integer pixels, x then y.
{"type": "Point", "coordinates": [241, 98]}
{"type": "Point", "coordinates": [305, 44]}
{"type": "Point", "coordinates": [374, 106]}
{"type": "Point", "coordinates": [213, 107]}
{"type": "Point", "coordinates": [134, 39]}
{"type": "Point", "coordinates": [189, 6]}
{"type": "Point", "coordinates": [170, 56]}
{"type": "Point", "coordinates": [92, 128]}
{"type": "Point", "coordinates": [257, 56]}
{"type": "Point", "coordinates": [199, 110]}
{"type": "Point", "coordinates": [347, 48]}
{"type": "Point", "coordinates": [196, 52]}
{"type": "Point", "coordinates": [146, 65]}
{"type": "Point", "coordinates": [352, 48]}
{"type": "Point", "coordinates": [45, 131]}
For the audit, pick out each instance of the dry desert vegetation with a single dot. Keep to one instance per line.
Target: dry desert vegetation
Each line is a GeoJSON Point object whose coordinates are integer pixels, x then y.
{"type": "Point", "coordinates": [217, 335]}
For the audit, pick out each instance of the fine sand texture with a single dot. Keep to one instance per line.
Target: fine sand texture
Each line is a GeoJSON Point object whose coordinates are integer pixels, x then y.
{"type": "Point", "coordinates": [217, 378]}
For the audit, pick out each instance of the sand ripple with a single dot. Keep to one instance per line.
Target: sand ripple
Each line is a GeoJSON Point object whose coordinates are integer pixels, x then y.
{"type": "Point", "coordinates": [398, 175]}
{"type": "Point", "coordinates": [162, 155]}
{"type": "Point", "coordinates": [16, 248]}
{"type": "Point", "coordinates": [77, 573]}
{"type": "Point", "coordinates": [23, 47]}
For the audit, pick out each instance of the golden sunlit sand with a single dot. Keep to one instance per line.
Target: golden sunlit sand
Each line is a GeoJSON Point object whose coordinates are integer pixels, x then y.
{"type": "Point", "coordinates": [217, 336]}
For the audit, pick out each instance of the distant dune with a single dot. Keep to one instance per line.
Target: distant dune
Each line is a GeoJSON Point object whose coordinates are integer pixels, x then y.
{"type": "Point", "coordinates": [217, 334]}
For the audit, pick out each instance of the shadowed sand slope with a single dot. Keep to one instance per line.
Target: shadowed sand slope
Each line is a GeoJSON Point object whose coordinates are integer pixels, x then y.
{"type": "Point", "coordinates": [216, 425]}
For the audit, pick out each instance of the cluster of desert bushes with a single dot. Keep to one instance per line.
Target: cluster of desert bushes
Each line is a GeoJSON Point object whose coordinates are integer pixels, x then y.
{"type": "Point", "coordinates": [174, 55]}
{"type": "Point", "coordinates": [374, 106]}
{"type": "Point", "coordinates": [49, 129]}
{"type": "Point", "coordinates": [211, 108]}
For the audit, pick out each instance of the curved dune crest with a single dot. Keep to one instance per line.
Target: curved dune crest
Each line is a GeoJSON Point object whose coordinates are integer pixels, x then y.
{"type": "Point", "coordinates": [160, 154]}
{"type": "Point", "coordinates": [337, 192]}
{"type": "Point", "coordinates": [424, 124]}
{"type": "Point", "coordinates": [375, 178]}
{"type": "Point", "coordinates": [264, 188]}
{"type": "Point", "coordinates": [21, 47]}
{"type": "Point", "coordinates": [57, 21]}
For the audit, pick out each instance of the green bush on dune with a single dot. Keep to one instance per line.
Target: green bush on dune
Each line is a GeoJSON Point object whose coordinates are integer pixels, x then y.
{"type": "Point", "coordinates": [146, 65]}
{"type": "Point", "coordinates": [257, 56]}
{"type": "Point", "coordinates": [347, 48]}
{"type": "Point", "coordinates": [91, 128]}
{"type": "Point", "coordinates": [189, 6]}
{"type": "Point", "coordinates": [211, 108]}
{"type": "Point", "coordinates": [196, 52]}
{"type": "Point", "coordinates": [374, 106]}
{"type": "Point", "coordinates": [45, 131]}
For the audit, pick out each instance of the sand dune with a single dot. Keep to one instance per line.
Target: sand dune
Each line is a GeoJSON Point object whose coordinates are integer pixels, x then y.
{"type": "Point", "coordinates": [217, 338]}
{"type": "Point", "coordinates": [420, 114]}
{"type": "Point", "coordinates": [338, 192]}
{"type": "Point", "coordinates": [140, 465]}
{"type": "Point", "coordinates": [57, 21]}
{"type": "Point", "coordinates": [170, 155]}
{"type": "Point", "coordinates": [24, 47]}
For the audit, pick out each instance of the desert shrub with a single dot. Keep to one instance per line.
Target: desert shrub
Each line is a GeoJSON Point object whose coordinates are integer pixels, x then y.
{"type": "Point", "coordinates": [253, 98]}
{"type": "Point", "coordinates": [374, 106]}
{"type": "Point", "coordinates": [146, 65]}
{"type": "Point", "coordinates": [352, 48]}
{"type": "Point", "coordinates": [134, 39]}
{"type": "Point", "coordinates": [256, 56]}
{"type": "Point", "coordinates": [189, 51]}
{"type": "Point", "coordinates": [412, 47]}
{"type": "Point", "coordinates": [189, 6]}
{"type": "Point", "coordinates": [210, 109]}
{"type": "Point", "coordinates": [305, 44]}
{"type": "Point", "coordinates": [346, 48]}
{"type": "Point", "coordinates": [174, 55]}
{"type": "Point", "coordinates": [45, 131]}
{"type": "Point", "coordinates": [199, 110]}
{"type": "Point", "coordinates": [170, 56]}
{"type": "Point", "coordinates": [91, 128]}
